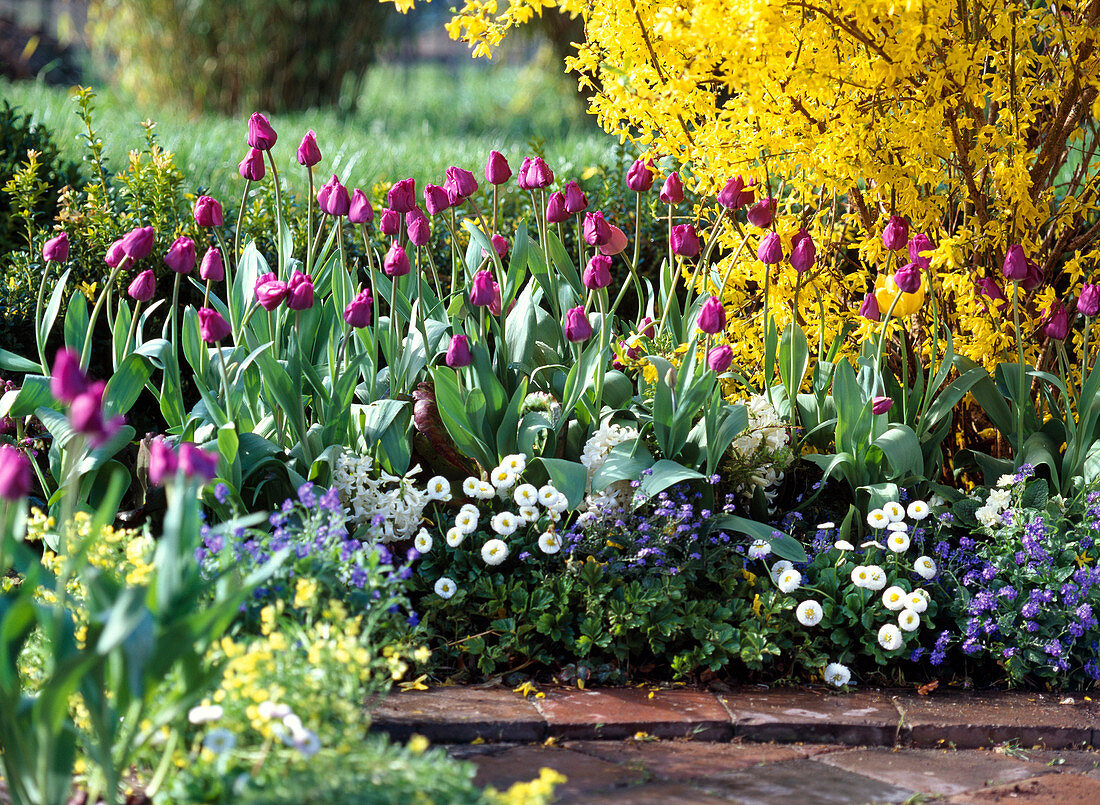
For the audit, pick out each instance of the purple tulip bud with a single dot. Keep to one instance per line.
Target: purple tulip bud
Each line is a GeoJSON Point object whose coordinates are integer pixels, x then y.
{"type": "Point", "coordinates": [333, 198]}
{"type": "Point", "coordinates": [684, 241]}
{"type": "Point", "coordinates": [181, 255]}
{"type": "Point", "coordinates": [648, 328]}
{"type": "Point", "coordinates": [252, 166]}
{"type": "Point", "coordinates": [56, 249]}
{"type": "Point", "coordinates": [575, 199]}
{"type": "Point", "coordinates": [481, 293]}
{"type": "Point", "coordinates": [416, 222]}
{"type": "Point", "coordinates": [143, 287]}
{"type": "Point", "coordinates": [538, 174]}
{"type": "Point", "coordinates": [720, 358]}
{"type": "Point", "coordinates": [803, 251]}
{"type": "Point", "coordinates": [555, 208]}
{"type": "Point", "coordinates": [918, 244]}
{"type": "Point", "coordinates": [436, 199]}
{"type": "Point", "coordinates": [1056, 323]}
{"type": "Point", "coordinates": [712, 316]}
{"type": "Point", "coordinates": [597, 274]}
{"type": "Point", "coordinates": [1015, 264]}
{"type": "Point", "coordinates": [596, 230]}
{"type": "Point", "coordinates": [299, 291]}
{"type": "Point", "coordinates": [458, 353]}
{"type": "Point", "coordinates": [500, 246]}
{"type": "Point", "coordinates": [86, 415]}
{"type": "Point", "coordinates": [359, 209]}
{"type": "Point", "coordinates": [198, 464]}
{"type": "Point", "coordinates": [260, 133]}
{"type": "Point", "coordinates": [640, 176]}
{"type": "Point", "coordinates": [212, 327]}
{"type": "Point", "coordinates": [390, 222]}
{"type": "Point", "coordinates": [208, 212]}
{"type": "Point", "coordinates": [358, 311]}
{"type": "Point", "coordinates": [880, 405]}
{"type": "Point", "coordinates": [212, 268]}
{"type": "Point", "coordinates": [15, 473]}
{"type": "Point", "coordinates": [461, 182]}
{"type": "Point", "coordinates": [137, 244]}
{"type": "Point", "coordinates": [402, 196]}
{"type": "Point", "coordinates": [770, 251]}
{"type": "Point", "coordinates": [908, 278]}
{"type": "Point", "coordinates": [989, 288]}
{"type": "Point", "coordinates": [869, 309]}
{"type": "Point", "coordinates": [735, 194]}
{"type": "Point", "coordinates": [163, 461]}
{"type": "Point", "coordinates": [577, 326]}
{"type": "Point", "coordinates": [308, 152]}
{"type": "Point", "coordinates": [396, 263]}
{"type": "Point", "coordinates": [67, 380]}
{"type": "Point", "coordinates": [115, 253]}
{"type": "Point", "coordinates": [762, 213]}
{"type": "Point", "coordinates": [896, 233]}
{"type": "Point", "coordinates": [270, 291]}
{"type": "Point", "coordinates": [1088, 303]}
{"type": "Point", "coordinates": [673, 190]}
{"type": "Point", "coordinates": [496, 168]}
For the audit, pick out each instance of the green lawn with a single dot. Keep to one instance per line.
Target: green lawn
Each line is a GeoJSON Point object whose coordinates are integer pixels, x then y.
{"type": "Point", "coordinates": [407, 121]}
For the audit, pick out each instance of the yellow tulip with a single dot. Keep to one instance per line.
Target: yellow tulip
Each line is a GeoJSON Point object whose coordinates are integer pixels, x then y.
{"type": "Point", "coordinates": [886, 290]}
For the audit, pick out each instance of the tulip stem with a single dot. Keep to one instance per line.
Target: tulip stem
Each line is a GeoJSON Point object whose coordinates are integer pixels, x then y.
{"type": "Point", "coordinates": [225, 382]}
{"type": "Point", "coordinates": [637, 246]}
{"type": "Point", "coordinates": [85, 353]}
{"type": "Point", "coordinates": [420, 305]}
{"type": "Point", "coordinates": [392, 357]}
{"type": "Point", "coordinates": [133, 326]}
{"type": "Point", "coordinates": [435, 275]}
{"type": "Point", "coordinates": [879, 385]}
{"type": "Point", "coordinates": [240, 223]}
{"type": "Point", "coordinates": [38, 324]}
{"type": "Point", "coordinates": [670, 260]}
{"type": "Point", "coordinates": [496, 202]}
{"type": "Point", "coordinates": [580, 244]}
{"type": "Point", "coordinates": [340, 243]}
{"type": "Point", "coordinates": [278, 205]}
{"type": "Point", "coordinates": [233, 324]}
{"type": "Point", "coordinates": [1020, 368]}
{"type": "Point", "coordinates": [309, 218]}
{"type": "Point", "coordinates": [317, 239]}
{"type": "Point", "coordinates": [454, 252]}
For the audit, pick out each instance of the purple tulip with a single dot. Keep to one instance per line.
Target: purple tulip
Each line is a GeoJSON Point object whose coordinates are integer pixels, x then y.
{"type": "Point", "coordinates": [67, 379]}
{"type": "Point", "coordinates": [539, 174]}
{"type": "Point", "coordinates": [1088, 303]}
{"type": "Point", "coordinates": [261, 135]}
{"type": "Point", "coordinates": [917, 244]}
{"type": "Point", "coordinates": [198, 464]}
{"type": "Point", "coordinates": [1056, 323]}
{"type": "Point", "coordinates": [640, 176]}
{"type": "Point", "coordinates": [115, 253]}
{"type": "Point", "coordinates": [500, 246]}
{"type": "Point", "coordinates": [555, 208]}
{"type": "Point", "coordinates": [735, 194]}
{"type": "Point", "coordinates": [575, 199]}
{"type": "Point", "coordinates": [770, 251]}
{"type": "Point", "coordinates": [597, 274]}
{"type": "Point", "coordinates": [1034, 276]}
{"type": "Point", "coordinates": [143, 287]}
{"type": "Point", "coordinates": [762, 213]}
{"type": "Point", "coordinates": [712, 316]}
{"type": "Point", "coordinates": [212, 268]}
{"type": "Point", "coordinates": [163, 461]}
{"type": "Point", "coordinates": [436, 199]}
{"type": "Point", "coordinates": [212, 327]}
{"type": "Point", "coordinates": [577, 326]}
{"type": "Point", "coordinates": [208, 212]}
{"type": "Point", "coordinates": [458, 353]}
{"type": "Point", "coordinates": [989, 288]}
{"type": "Point", "coordinates": [270, 291]}
{"type": "Point", "coordinates": [181, 255]}
{"type": "Point", "coordinates": [402, 196]}
{"type": "Point", "coordinates": [252, 166]}
{"type": "Point", "coordinates": [616, 243]}
{"type": "Point", "coordinates": [333, 198]}
{"type": "Point", "coordinates": [684, 241]}
{"type": "Point", "coordinates": [481, 293]}
{"type": "Point", "coordinates": [803, 251]}
{"type": "Point", "coordinates": [497, 170]}
{"type": "Point", "coordinates": [15, 474]}
{"type": "Point", "coordinates": [869, 309]}
{"type": "Point", "coordinates": [308, 152]}
{"type": "Point", "coordinates": [596, 230]}
{"type": "Point", "coordinates": [673, 190]}
{"type": "Point", "coordinates": [86, 415]}
{"type": "Point", "coordinates": [359, 209]}
{"type": "Point", "coordinates": [137, 244]}
{"type": "Point", "coordinates": [358, 311]}
{"type": "Point", "coordinates": [494, 306]}
{"type": "Point", "coordinates": [521, 177]}
{"type": "Point", "coordinates": [299, 291]}
{"type": "Point", "coordinates": [416, 222]}
{"type": "Point", "coordinates": [390, 222]}
{"type": "Point", "coordinates": [56, 249]}
{"type": "Point", "coordinates": [648, 328]}
{"type": "Point", "coordinates": [896, 233]}
{"type": "Point", "coordinates": [880, 405]}
{"type": "Point", "coordinates": [1015, 264]}
{"type": "Point", "coordinates": [908, 278]}
{"type": "Point", "coordinates": [460, 182]}
{"type": "Point", "coordinates": [396, 262]}
{"type": "Point", "coordinates": [720, 358]}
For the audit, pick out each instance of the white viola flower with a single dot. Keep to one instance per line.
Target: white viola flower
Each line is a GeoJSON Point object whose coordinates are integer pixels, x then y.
{"type": "Point", "coordinates": [898, 542]}
{"type": "Point", "coordinates": [1006, 480]}
{"type": "Point", "coordinates": [526, 495]}
{"type": "Point", "coordinates": [548, 495]}
{"type": "Point", "coordinates": [759, 549]}
{"type": "Point", "coordinates": [205, 713]}
{"type": "Point", "coordinates": [529, 513]}
{"type": "Point", "coordinates": [439, 488]}
{"type": "Point", "coordinates": [809, 613]}
{"type": "Point", "coordinates": [494, 551]}
{"type": "Point", "coordinates": [908, 620]}
{"type": "Point", "coordinates": [999, 498]}
{"type": "Point", "coordinates": [779, 568]}
{"type": "Point", "coordinates": [503, 478]}
{"type": "Point", "coordinates": [466, 521]}
{"type": "Point", "coordinates": [445, 587]}
{"type": "Point", "coordinates": [470, 486]}
{"type": "Point", "coordinates": [219, 741]}
{"type": "Point", "coordinates": [272, 711]}
{"type": "Point", "coordinates": [893, 598]}
{"type": "Point", "coordinates": [877, 519]}
{"type": "Point", "coordinates": [790, 581]}
{"type": "Point", "coordinates": [898, 526]}
{"type": "Point", "coordinates": [549, 542]}
{"type": "Point", "coordinates": [837, 675]}
{"type": "Point", "coordinates": [455, 536]}
{"type": "Point", "coordinates": [860, 576]}
{"type": "Point", "coordinates": [917, 601]}
{"type": "Point", "coordinates": [423, 541]}
{"type": "Point", "coordinates": [826, 526]}
{"type": "Point", "coordinates": [516, 462]}
{"type": "Point", "coordinates": [485, 491]}
{"type": "Point", "coordinates": [894, 511]}
{"type": "Point", "coordinates": [876, 578]}
{"type": "Point", "coordinates": [889, 637]}
{"type": "Point", "coordinates": [925, 567]}
{"type": "Point", "coordinates": [505, 523]}
{"type": "Point", "coordinates": [844, 545]}
{"type": "Point", "coordinates": [918, 510]}
{"type": "Point", "coordinates": [988, 516]}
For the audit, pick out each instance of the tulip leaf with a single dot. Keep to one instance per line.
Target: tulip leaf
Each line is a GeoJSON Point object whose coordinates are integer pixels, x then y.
{"type": "Point", "coordinates": [662, 475]}
{"type": "Point", "coordinates": [76, 323]}
{"type": "Point", "coordinates": [11, 362]}
{"type": "Point", "coordinates": [568, 477]}
{"type": "Point", "coordinates": [783, 545]}
{"type": "Point", "coordinates": [126, 384]}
